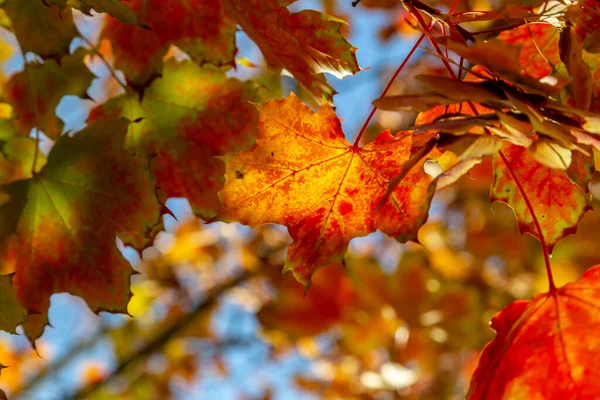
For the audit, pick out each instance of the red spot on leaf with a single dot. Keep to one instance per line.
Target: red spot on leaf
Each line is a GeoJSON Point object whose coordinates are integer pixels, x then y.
{"type": "Point", "coordinates": [345, 208]}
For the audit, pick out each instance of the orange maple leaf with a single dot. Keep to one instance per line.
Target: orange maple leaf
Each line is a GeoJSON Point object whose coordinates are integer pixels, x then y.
{"type": "Point", "coordinates": [539, 47]}
{"type": "Point", "coordinates": [538, 352]}
{"type": "Point", "coordinates": [302, 173]}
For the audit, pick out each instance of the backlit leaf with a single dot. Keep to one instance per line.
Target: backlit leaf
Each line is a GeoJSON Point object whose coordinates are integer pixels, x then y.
{"type": "Point", "coordinates": [189, 116]}
{"type": "Point", "coordinates": [545, 348]}
{"type": "Point", "coordinates": [302, 173]}
{"type": "Point", "coordinates": [59, 228]}
{"type": "Point", "coordinates": [550, 154]}
{"type": "Point", "coordinates": [506, 63]}
{"type": "Point", "coordinates": [539, 47]}
{"type": "Point", "coordinates": [197, 27]}
{"type": "Point", "coordinates": [12, 314]}
{"type": "Point", "coordinates": [559, 204]}
{"type": "Point", "coordinates": [306, 44]}
{"type": "Point", "coordinates": [592, 124]}
{"type": "Point", "coordinates": [35, 92]}
{"type": "Point", "coordinates": [43, 29]}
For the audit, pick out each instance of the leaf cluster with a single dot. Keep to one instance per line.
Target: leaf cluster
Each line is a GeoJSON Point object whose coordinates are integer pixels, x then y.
{"type": "Point", "coordinates": [518, 99]}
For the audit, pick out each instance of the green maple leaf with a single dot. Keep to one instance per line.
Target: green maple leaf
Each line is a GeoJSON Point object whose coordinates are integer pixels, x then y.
{"type": "Point", "coordinates": [59, 227]}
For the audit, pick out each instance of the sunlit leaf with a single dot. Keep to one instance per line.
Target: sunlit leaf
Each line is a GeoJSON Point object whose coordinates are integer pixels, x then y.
{"type": "Point", "coordinates": [187, 117]}
{"type": "Point", "coordinates": [302, 173]}
{"type": "Point", "coordinates": [539, 47]}
{"type": "Point", "coordinates": [507, 63]}
{"type": "Point", "coordinates": [59, 227]}
{"type": "Point", "coordinates": [550, 154]}
{"type": "Point", "coordinates": [544, 348]}
{"type": "Point", "coordinates": [559, 204]}
{"type": "Point", "coordinates": [592, 124]}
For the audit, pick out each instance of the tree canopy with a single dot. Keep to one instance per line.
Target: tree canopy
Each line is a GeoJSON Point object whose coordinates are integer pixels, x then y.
{"type": "Point", "coordinates": [212, 154]}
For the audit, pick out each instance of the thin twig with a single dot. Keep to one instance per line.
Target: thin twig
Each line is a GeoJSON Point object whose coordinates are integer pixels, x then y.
{"type": "Point", "coordinates": [387, 88]}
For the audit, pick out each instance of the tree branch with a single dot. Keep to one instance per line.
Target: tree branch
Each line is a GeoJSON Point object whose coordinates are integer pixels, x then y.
{"type": "Point", "coordinates": [162, 339]}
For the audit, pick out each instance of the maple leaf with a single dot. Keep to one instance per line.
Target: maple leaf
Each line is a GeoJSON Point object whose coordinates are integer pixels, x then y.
{"type": "Point", "coordinates": [542, 51]}
{"type": "Point", "coordinates": [302, 173]}
{"type": "Point", "coordinates": [35, 92]}
{"type": "Point", "coordinates": [505, 64]}
{"type": "Point", "coordinates": [539, 47]}
{"type": "Point", "coordinates": [306, 44]}
{"type": "Point", "coordinates": [559, 203]}
{"type": "Point", "coordinates": [197, 27]}
{"type": "Point", "coordinates": [11, 312]}
{"type": "Point", "coordinates": [581, 170]}
{"type": "Point", "coordinates": [189, 116]}
{"type": "Point", "coordinates": [45, 30]}
{"type": "Point", "coordinates": [59, 227]}
{"type": "Point", "coordinates": [538, 352]}
{"type": "Point", "coordinates": [17, 154]}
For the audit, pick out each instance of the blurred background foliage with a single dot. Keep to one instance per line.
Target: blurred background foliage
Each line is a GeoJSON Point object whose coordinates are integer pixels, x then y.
{"type": "Point", "coordinates": [213, 317]}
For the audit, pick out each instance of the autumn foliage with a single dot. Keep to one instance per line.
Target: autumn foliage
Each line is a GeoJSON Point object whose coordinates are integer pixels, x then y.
{"type": "Point", "coordinates": [504, 106]}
